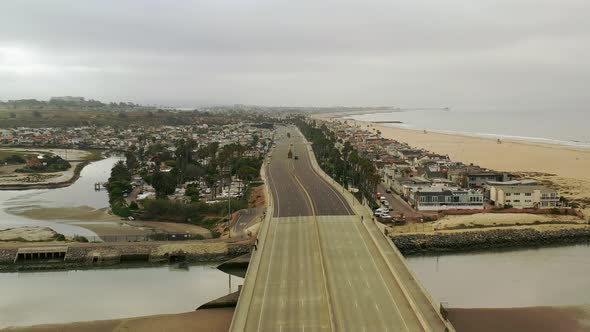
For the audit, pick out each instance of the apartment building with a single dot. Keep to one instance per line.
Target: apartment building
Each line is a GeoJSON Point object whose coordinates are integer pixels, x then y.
{"type": "Point", "coordinates": [523, 196]}
{"type": "Point", "coordinates": [444, 198]}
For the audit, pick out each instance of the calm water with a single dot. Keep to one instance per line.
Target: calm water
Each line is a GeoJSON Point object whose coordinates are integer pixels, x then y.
{"type": "Point", "coordinates": [535, 277]}
{"type": "Point", "coordinates": [555, 126]}
{"type": "Point", "coordinates": [78, 194]}
{"type": "Point", "coordinates": [54, 297]}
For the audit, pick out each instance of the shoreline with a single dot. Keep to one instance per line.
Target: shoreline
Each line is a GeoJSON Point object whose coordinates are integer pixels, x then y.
{"type": "Point", "coordinates": [81, 159]}
{"type": "Point", "coordinates": [526, 319]}
{"type": "Point", "coordinates": [565, 168]}
{"type": "Point", "coordinates": [412, 244]}
{"type": "Point", "coordinates": [26, 186]}
{"type": "Point", "coordinates": [484, 136]}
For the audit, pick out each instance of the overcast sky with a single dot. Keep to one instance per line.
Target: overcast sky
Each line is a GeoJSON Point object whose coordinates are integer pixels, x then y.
{"type": "Point", "coordinates": [409, 53]}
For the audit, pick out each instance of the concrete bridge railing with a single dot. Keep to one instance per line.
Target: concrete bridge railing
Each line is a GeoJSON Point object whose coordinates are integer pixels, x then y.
{"type": "Point", "coordinates": [241, 313]}
{"type": "Point", "coordinates": [366, 213]}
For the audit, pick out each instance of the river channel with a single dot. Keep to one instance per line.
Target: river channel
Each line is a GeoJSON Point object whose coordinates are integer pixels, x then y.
{"type": "Point", "coordinates": [80, 193]}
{"type": "Point", "coordinates": [32, 298]}
{"type": "Point", "coordinates": [552, 276]}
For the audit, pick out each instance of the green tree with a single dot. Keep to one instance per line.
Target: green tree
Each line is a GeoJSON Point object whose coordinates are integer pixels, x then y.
{"type": "Point", "coordinates": [131, 161]}
{"type": "Point", "coordinates": [164, 184]}
{"type": "Point", "coordinates": [255, 140]}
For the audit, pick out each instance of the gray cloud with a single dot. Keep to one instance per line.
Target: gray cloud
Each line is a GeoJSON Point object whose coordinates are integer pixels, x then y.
{"type": "Point", "coordinates": [461, 53]}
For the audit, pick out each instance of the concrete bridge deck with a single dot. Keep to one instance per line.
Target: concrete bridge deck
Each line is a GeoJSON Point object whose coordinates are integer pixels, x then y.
{"type": "Point", "coordinates": [319, 267]}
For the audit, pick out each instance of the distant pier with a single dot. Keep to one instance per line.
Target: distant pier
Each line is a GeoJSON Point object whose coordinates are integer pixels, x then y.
{"type": "Point", "coordinates": [386, 122]}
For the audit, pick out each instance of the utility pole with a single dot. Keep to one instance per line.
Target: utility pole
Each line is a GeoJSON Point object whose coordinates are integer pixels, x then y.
{"type": "Point", "coordinates": [229, 204]}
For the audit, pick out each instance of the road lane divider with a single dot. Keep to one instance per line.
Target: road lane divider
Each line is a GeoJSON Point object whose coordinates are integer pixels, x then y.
{"type": "Point", "coordinates": [325, 277]}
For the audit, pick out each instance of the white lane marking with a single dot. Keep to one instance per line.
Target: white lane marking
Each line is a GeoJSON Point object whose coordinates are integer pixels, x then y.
{"type": "Point", "coordinates": [345, 204]}
{"type": "Point", "coordinates": [349, 283]}
{"type": "Point", "coordinates": [382, 279]}
{"type": "Point", "coordinates": [275, 190]}
{"type": "Point", "coordinates": [272, 251]}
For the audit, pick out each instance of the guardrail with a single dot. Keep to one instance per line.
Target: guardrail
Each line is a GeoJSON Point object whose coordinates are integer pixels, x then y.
{"type": "Point", "coordinates": [240, 316]}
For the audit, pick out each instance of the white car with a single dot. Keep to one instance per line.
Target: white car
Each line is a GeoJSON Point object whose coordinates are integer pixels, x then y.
{"type": "Point", "coordinates": [386, 203]}
{"type": "Point", "coordinates": [380, 211]}
{"type": "Point", "coordinates": [384, 216]}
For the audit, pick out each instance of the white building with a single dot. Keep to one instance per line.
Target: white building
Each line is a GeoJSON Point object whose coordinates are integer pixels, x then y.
{"type": "Point", "coordinates": [523, 196]}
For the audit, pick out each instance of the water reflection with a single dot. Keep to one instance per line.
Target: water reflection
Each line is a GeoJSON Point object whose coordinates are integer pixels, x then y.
{"type": "Point", "coordinates": [531, 277]}
{"type": "Point", "coordinates": [32, 298]}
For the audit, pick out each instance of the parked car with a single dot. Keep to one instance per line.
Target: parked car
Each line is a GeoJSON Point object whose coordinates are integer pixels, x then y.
{"type": "Point", "coordinates": [388, 191]}
{"type": "Point", "coordinates": [385, 217]}
{"type": "Point", "coordinates": [382, 198]}
{"type": "Point", "coordinates": [380, 211]}
{"type": "Point", "coordinates": [386, 203]}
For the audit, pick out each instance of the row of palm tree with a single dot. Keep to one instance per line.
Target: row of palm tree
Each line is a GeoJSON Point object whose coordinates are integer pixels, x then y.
{"type": "Point", "coordinates": [340, 159]}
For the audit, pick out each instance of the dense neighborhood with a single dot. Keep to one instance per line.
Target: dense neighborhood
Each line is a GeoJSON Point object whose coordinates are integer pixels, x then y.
{"type": "Point", "coordinates": [433, 182]}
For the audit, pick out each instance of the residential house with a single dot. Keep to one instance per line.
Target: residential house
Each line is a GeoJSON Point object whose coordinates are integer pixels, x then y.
{"type": "Point", "coordinates": [522, 196]}
{"type": "Point", "coordinates": [444, 198]}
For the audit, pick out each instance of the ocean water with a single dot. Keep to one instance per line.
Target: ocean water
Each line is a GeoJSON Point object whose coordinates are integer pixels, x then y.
{"type": "Point", "coordinates": [563, 127]}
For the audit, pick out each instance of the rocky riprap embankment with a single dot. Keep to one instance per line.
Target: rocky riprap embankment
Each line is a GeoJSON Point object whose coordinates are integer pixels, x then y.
{"type": "Point", "coordinates": [490, 239]}
{"type": "Point", "coordinates": [88, 255]}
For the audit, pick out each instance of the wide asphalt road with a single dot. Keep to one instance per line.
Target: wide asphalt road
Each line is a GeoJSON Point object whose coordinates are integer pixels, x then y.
{"type": "Point", "coordinates": [288, 176]}
{"type": "Point", "coordinates": [288, 198]}
{"type": "Point", "coordinates": [320, 270]}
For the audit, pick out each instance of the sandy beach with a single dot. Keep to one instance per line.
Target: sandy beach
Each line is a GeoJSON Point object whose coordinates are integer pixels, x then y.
{"type": "Point", "coordinates": [565, 168]}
